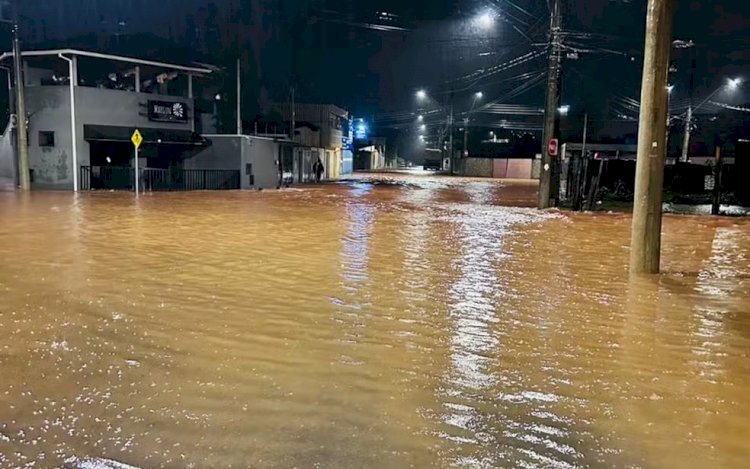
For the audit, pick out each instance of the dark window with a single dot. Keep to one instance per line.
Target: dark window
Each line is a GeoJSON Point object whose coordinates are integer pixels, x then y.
{"type": "Point", "coordinates": [46, 139]}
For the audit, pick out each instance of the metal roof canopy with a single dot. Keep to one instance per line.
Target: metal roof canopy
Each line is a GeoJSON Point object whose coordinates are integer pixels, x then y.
{"type": "Point", "coordinates": [113, 58]}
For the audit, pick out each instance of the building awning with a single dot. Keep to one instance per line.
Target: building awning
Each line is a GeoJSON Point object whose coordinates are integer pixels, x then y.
{"type": "Point", "coordinates": [108, 133]}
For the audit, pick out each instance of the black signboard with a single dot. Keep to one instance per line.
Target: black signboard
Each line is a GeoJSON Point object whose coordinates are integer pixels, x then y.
{"type": "Point", "coordinates": [167, 111]}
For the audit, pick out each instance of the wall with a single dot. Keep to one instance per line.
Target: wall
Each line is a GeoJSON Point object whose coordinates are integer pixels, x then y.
{"type": "Point", "coordinates": [478, 167]}
{"type": "Point", "coordinates": [499, 168]}
{"type": "Point", "coordinates": [347, 164]}
{"type": "Point", "coordinates": [223, 153]}
{"type": "Point", "coordinates": [49, 111]}
{"type": "Point", "coordinates": [7, 160]}
{"type": "Point", "coordinates": [235, 153]}
{"type": "Point", "coordinates": [512, 168]}
{"type": "Point", "coordinates": [263, 154]}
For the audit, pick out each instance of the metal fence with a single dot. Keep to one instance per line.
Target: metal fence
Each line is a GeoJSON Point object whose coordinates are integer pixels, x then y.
{"type": "Point", "coordinates": [154, 179]}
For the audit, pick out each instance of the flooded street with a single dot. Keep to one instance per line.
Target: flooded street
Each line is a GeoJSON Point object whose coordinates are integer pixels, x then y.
{"type": "Point", "coordinates": [414, 323]}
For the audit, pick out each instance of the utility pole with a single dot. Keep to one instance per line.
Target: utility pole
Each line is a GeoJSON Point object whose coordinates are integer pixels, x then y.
{"type": "Point", "coordinates": [548, 170]}
{"type": "Point", "coordinates": [466, 138]}
{"type": "Point", "coordinates": [294, 115]}
{"type": "Point", "coordinates": [239, 98]}
{"type": "Point", "coordinates": [689, 121]}
{"type": "Point", "coordinates": [22, 137]}
{"type": "Point", "coordinates": [716, 194]}
{"type": "Point", "coordinates": [452, 154]}
{"type": "Point", "coordinates": [645, 245]}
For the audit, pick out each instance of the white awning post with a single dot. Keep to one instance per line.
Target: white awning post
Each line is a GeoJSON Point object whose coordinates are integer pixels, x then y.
{"type": "Point", "coordinates": [73, 78]}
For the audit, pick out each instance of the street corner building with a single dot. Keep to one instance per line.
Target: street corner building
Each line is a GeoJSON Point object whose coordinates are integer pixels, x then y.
{"type": "Point", "coordinates": [83, 107]}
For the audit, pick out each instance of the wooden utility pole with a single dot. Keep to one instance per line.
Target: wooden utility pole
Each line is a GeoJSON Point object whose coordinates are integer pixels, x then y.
{"type": "Point", "coordinates": [550, 113]}
{"type": "Point", "coordinates": [645, 245]}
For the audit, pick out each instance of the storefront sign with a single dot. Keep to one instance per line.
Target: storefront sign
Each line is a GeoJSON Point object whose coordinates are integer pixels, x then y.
{"type": "Point", "coordinates": [167, 111]}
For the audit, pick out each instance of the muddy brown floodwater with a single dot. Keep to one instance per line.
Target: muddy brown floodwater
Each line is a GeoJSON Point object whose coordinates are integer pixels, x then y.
{"type": "Point", "coordinates": [421, 323]}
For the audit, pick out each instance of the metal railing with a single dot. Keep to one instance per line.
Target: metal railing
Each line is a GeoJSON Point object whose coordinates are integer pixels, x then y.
{"type": "Point", "coordinates": [154, 179]}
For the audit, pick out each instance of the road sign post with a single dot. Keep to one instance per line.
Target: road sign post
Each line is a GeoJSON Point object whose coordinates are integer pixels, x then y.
{"type": "Point", "coordinates": [137, 139]}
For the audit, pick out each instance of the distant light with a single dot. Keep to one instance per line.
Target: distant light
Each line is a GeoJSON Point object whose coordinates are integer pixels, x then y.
{"type": "Point", "coordinates": [479, 95]}
{"type": "Point", "coordinates": [420, 118]}
{"type": "Point", "coordinates": [218, 97]}
{"type": "Point", "coordinates": [109, 160]}
{"type": "Point", "coordinates": [486, 20]}
{"type": "Point", "coordinates": [564, 110]}
{"type": "Point", "coordinates": [670, 88]}
{"type": "Point", "coordinates": [421, 94]}
{"type": "Point", "coordinates": [422, 127]}
{"type": "Point", "coordinates": [733, 83]}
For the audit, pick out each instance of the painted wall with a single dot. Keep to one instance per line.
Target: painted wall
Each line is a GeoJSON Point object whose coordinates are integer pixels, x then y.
{"type": "Point", "coordinates": [478, 167]}
{"type": "Point", "coordinates": [49, 111]}
{"type": "Point", "coordinates": [8, 171]}
{"type": "Point", "coordinates": [499, 168]}
{"type": "Point", "coordinates": [263, 154]}
{"type": "Point", "coordinates": [235, 153]}
{"type": "Point", "coordinates": [347, 162]}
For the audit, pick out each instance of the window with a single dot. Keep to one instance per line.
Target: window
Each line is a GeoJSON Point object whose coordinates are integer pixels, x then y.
{"type": "Point", "coordinates": [46, 139]}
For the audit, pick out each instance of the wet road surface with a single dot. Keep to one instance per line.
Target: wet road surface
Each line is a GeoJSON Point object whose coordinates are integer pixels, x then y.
{"type": "Point", "coordinates": [414, 322]}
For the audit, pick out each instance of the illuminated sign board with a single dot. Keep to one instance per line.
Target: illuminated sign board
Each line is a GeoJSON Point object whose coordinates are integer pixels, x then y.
{"type": "Point", "coordinates": [360, 129]}
{"type": "Point", "coordinates": [167, 111]}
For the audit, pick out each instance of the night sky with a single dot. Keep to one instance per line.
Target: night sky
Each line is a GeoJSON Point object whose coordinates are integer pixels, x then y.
{"type": "Point", "coordinates": [348, 53]}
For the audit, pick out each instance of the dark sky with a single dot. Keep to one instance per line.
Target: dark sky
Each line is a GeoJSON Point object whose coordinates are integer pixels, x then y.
{"type": "Point", "coordinates": [339, 51]}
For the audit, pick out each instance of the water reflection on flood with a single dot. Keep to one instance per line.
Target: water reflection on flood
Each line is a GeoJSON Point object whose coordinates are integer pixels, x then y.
{"type": "Point", "coordinates": [415, 322]}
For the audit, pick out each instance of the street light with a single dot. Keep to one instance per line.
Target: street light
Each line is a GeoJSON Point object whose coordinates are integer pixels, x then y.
{"type": "Point", "coordinates": [421, 95]}
{"type": "Point", "coordinates": [564, 109]}
{"type": "Point", "coordinates": [422, 127]}
{"type": "Point", "coordinates": [485, 20]}
{"type": "Point", "coordinates": [420, 118]}
{"type": "Point", "coordinates": [731, 85]}
{"type": "Point", "coordinates": [478, 95]}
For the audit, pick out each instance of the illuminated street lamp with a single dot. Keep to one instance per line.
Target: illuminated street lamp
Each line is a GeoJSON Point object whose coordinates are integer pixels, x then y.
{"type": "Point", "coordinates": [421, 95]}
{"type": "Point", "coordinates": [420, 118]}
{"type": "Point", "coordinates": [485, 20]}
{"type": "Point", "coordinates": [422, 127]}
{"type": "Point", "coordinates": [734, 83]}
{"type": "Point", "coordinates": [478, 95]}
{"type": "Point", "coordinates": [564, 109]}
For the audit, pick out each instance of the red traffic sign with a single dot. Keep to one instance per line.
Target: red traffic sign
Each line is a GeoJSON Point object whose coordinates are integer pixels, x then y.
{"type": "Point", "coordinates": [552, 147]}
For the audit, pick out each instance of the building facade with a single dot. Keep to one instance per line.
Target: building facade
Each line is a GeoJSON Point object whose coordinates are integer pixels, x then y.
{"type": "Point", "coordinates": [319, 131]}
{"type": "Point", "coordinates": [83, 107]}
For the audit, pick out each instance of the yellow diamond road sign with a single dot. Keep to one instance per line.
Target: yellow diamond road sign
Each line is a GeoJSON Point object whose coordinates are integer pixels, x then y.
{"type": "Point", "coordinates": [137, 139]}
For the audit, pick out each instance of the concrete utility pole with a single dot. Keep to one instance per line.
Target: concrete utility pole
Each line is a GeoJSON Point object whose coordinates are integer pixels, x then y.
{"type": "Point", "coordinates": [550, 112]}
{"type": "Point", "coordinates": [689, 120]}
{"type": "Point", "coordinates": [450, 139]}
{"type": "Point", "coordinates": [645, 245]}
{"type": "Point", "coordinates": [716, 193]}
{"type": "Point", "coordinates": [466, 138]}
{"type": "Point", "coordinates": [293, 132]}
{"type": "Point", "coordinates": [22, 136]}
{"type": "Point", "coordinates": [239, 98]}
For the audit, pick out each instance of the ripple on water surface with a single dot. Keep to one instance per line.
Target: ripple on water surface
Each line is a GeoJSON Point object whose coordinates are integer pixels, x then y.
{"type": "Point", "coordinates": [420, 321]}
